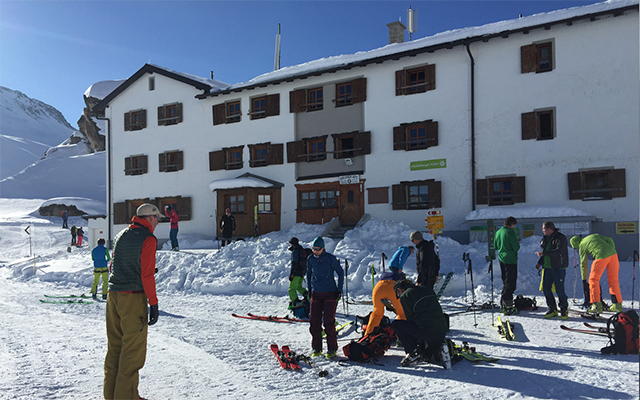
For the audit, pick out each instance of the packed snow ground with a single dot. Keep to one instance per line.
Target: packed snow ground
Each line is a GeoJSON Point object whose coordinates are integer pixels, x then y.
{"type": "Point", "coordinates": [198, 350]}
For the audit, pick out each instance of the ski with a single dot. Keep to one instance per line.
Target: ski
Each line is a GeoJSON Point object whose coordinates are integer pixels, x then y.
{"type": "Point", "coordinates": [69, 301]}
{"type": "Point", "coordinates": [280, 356]}
{"type": "Point", "coordinates": [470, 354]}
{"type": "Point", "coordinates": [71, 296]}
{"type": "Point", "coordinates": [321, 372]}
{"type": "Point", "coordinates": [285, 318]}
{"type": "Point", "coordinates": [587, 331]}
{"type": "Point", "coordinates": [584, 314]}
{"type": "Point", "coordinates": [291, 358]}
{"type": "Point", "coordinates": [338, 327]}
{"type": "Point", "coordinates": [599, 328]}
{"type": "Point", "coordinates": [505, 329]}
{"type": "Point", "coordinates": [263, 318]}
{"type": "Point", "coordinates": [447, 279]}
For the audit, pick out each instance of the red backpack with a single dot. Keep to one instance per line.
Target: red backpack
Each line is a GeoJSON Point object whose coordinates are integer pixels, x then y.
{"type": "Point", "coordinates": [623, 334]}
{"type": "Point", "coordinates": [370, 346]}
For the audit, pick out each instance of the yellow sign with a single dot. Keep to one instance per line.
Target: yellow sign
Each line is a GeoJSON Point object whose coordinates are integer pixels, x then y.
{"type": "Point", "coordinates": [435, 226]}
{"type": "Point", "coordinates": [624, 228]}
{"type": "Point", "coordinates": [435, 219]}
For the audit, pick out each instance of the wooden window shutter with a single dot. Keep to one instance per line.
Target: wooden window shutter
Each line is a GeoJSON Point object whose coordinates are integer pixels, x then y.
{"type": "Point", "coordinates": [180, 160]}
{"type": "Point", "coordinates": [127, 121]}
{"type": "Point", "coordinates": [143, 118]}
{"type": "Point", "coordinates": [399, 197]}
{"type": "Point", "coordinates": [378, 195]}
{"type": "Point", "coordinates": [432, 133]}
{"type": "Point", "coordinates": [183, 204]}
{"type": "Point", "coordinates": [529, 126]}
{"type": "Point", "coordinates": [145, 164]}
{"type": "Point", "coordinates": [179, 111]}
{"type": "Point", "coordinates": [430, 76]}
{"type": "Point", "coordinates": [219, 114]}
{"type": "Point", "coordinates": [161, 162]}
{"type": "Point", "coordinates": [482, 196]}
{"type": "Point", "coordinates": [161, 120]}
{"type": "Point", "coordinates": [273, 105]}
{"type": "Point", "coordinates": [400, 83]}
{"type": "Point", "coordinates": [359, 90]}
{"type": "Point", "coordinates": [528, 59]}
{"type": "Point", "coordinates": [120, 213]}
{"type": "Point", "coordinates": [399, 138]}
{"type": "Point", "coordinates": [298, 101]}
{"type": "Point", "coordinates": [618, 183]}
{"type": "Point", "coordinates": [128, 166]}
{"type": "Point", "coordinates": [575, 185]}
{"type": "Point", "coordinates": [435, 194]}
{"type": "Point", "coordinates": [362, 141]}
{"type": "Point", "coordinates": [294, 150]}
{"type": "Point", "coordinates": [518, 189]}
{"type": "Point", "coordinates": [275, 154]}
{"type": "Point", "coordinates": [216, 160]}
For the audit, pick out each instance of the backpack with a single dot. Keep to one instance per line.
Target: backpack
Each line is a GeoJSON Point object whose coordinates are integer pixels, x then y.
{"type": "Point", "coordinates": [303, 262]}
{"type": "Point", "coordinates": [525, 303]}
{"type": "Point", "coordinates": [301, 308]}
{"type": "Point", "coordinates": [623, 334]}
{"type": "Point", "coordinates": [370, 346]}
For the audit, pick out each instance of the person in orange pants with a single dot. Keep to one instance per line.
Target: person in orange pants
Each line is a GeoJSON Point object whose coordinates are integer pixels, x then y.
{"type": "Point", "coordinates": [603, 251]}
{"type": "Point", "coordinates": [384, 290]}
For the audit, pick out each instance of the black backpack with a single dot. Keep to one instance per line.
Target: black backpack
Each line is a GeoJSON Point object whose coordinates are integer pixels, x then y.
{"type": "Point", "coordinates": [370, 346]}
{"type": "Point", "coordinates": [525, 303]}
{"type": "Point", "coordinates": [623, 334]}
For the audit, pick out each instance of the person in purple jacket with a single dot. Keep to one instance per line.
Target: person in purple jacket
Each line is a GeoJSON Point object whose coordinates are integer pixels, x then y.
{"type": "Point", "coordinates": [321, 268]}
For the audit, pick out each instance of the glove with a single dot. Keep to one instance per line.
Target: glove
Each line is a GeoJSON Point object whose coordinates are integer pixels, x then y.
{"type": "Point", "coordinates": [153, 314]}
{"type": "Point", "coordinates": [290, 277]}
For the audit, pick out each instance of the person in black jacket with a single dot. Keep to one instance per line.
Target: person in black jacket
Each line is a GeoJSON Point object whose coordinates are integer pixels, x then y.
{"type": "Point", "coordinates": [427, 261]}
{"type": "Point", "coordinates": [298, 271]}
{"type": "Point", "coordinates": [227, 227]}
{"type": "Point", "coordinates": [554, 259]}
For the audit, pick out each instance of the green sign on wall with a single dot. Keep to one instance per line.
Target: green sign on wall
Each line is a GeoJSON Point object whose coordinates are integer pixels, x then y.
{"type": "Point", "coordinates": [428, 164]}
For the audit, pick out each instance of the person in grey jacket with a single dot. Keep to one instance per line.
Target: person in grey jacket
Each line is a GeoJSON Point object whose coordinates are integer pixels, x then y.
{"type": "Point", "coordinates": [554, 259]}
{"type": "Point", "coordinates": [321, 268]}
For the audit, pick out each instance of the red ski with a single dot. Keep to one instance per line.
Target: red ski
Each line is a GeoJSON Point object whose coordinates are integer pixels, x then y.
{"type": "Point", "coordinates": [587, 331]}
{"type": "Point", "coordinates": [281, 355]}
{"type": "Point", "coordinates": [263, 318]}
{"type": "Point", "coordinates": [291, 357]}
{"type": "Point", "coordinates": [272, 317]}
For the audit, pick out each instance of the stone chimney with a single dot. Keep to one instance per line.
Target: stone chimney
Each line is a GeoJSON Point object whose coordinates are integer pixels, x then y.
{"type": "Point", "coordinates": [396, 32]}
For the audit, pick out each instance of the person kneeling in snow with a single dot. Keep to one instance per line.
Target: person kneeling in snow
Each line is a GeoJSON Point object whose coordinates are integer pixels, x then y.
{"type": "Point", "coordinates": [423, 331]}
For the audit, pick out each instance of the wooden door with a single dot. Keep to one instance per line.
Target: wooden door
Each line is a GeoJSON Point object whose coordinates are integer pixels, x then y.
{"type": "Point", "coordinates": [351, 204]}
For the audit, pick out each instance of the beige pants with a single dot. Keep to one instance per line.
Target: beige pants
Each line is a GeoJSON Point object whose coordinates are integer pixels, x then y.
{"type": "Point", "coordinates": [127, 325]}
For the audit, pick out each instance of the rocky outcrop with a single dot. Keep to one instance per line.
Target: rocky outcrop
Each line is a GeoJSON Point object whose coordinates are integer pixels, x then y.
{"type": "Point", "coordinates": [55, 210]}
{"type": "Point", "coordinates": [88, 127]}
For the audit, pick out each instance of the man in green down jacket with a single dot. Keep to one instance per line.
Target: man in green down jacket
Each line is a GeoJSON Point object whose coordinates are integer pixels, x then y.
{"type": "Point", "coordinates": [425, 325]}
{"type": "Point", "coordinates": [507, 244]}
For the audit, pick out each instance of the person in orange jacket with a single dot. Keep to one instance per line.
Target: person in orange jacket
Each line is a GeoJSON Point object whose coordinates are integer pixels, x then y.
{"type": "Point", "coordinates": [131, 286]}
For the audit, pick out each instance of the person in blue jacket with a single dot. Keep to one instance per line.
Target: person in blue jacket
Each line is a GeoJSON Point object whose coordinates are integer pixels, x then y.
{"type": "Point", "coordinates": [101, 257]}
{"type": "Point", "coordinates": [321, 268]}
{"type": "Point", "coordinates": [400, 257]}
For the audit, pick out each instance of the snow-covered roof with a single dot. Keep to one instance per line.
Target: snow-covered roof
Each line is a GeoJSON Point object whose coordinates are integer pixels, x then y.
{"type": "Point", "coordinates": [214, 83]}
{"type": "Point", "coordinates": [453, 36]}
{"type": "Point", "coordinates": [243, 181]}
{"type": "Point", "coordinates": [100, 90]}
{"type": "Point", "coordinates": [551, 213]}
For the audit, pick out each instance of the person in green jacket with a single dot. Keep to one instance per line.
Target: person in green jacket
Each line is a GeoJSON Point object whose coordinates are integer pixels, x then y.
{"type": "Point", "coordinates": [423, 331]}
{"type": "Point", "coordinates": [603, 251]}
{"type": "Point", "coordinates": [507, 244]}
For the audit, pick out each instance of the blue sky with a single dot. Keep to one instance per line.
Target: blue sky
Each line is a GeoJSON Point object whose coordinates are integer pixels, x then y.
{"type": "Point", "coordinates": [54, 50]}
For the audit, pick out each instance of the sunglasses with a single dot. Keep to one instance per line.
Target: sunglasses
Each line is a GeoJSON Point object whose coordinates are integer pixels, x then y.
{"type": "Point", "coordinates": [316, 248]}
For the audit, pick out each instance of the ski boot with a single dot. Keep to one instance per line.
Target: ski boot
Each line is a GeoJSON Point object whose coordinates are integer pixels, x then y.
{"type": "Point", "coordinates": [595, 308]}
{"type": "Point", "coordinates": [616, 307]}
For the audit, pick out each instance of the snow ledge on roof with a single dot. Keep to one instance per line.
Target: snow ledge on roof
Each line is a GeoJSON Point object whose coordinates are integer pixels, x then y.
{"type": "Point", "coordinates": [528, 213]}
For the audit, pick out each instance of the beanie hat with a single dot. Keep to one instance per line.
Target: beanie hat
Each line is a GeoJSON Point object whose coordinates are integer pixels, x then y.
{"type": "Point", "coordinates": [575, 241]}
{"type": "Point", "coordinates": [318, 242]}
{"type": "Point", "coordinates": [294, 241]}
{"type": "Point", "coordinates": [147, 210]}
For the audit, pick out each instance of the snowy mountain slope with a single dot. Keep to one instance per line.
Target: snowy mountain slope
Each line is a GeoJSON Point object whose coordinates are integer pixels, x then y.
{"type": "Point", "coordinates": [28, 127]}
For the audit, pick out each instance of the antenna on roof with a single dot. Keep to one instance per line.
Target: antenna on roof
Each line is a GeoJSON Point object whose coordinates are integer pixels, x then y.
{"type": "Point", "coordinates": [412, 21]}
{"type": "Point", "coordinates": [276, 65]}
{"type": "Point", "coordinates": [211, 74]}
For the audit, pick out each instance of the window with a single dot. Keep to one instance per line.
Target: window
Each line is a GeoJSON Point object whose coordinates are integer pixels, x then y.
{"type": "Point", "coordinates": [415, 136]}
{"type": "Point", "coordinates": [539, 125]}
{"type": "Point", "coordinates": [236, 203]}
{"type": "Point", "coordinates": [234, 158]}
{"type": "Point", "coordinates": [170, 161]}
{"type": "Point", "coordinates": [264, 154]}
{"type": "Point", "coordinates": [537, 57]}
{"type": "Point", "coordinates": [182, 205]}
{"type": "Point", "coordinates": [258, 156]}
{"type": "Point", "coordinates": [227, 113]}
{"type": "Point", "coordinates": [265, 106]}
{"type": "Point", "coordinates": [416, 80]}
{"type": "Point", "coordinates": [378, 195]}
{"type": "Point", "coordinates": [135, 120]}
{"type": "Point", "coordinates": [349, 93]}
{"type": "Point", "coordinates": [351, 144]}
{"type": "Point", "coordinates": [344, 96]}
{"type": "Point", "coordinates": [417, 195]}
{"type": "Point", "coordinates": [170, 114]}
{"type": "Point", "coordinates": [135, 165]}
{"type": "Point", "coordinates": [500, 190]}
{"type": "Point", "coordinates": [316, 150]}
{"type": "Point", "coordinates": [264, 203]}
{"type": "Point", "coordinates": [597, 184]}
{"type": "Point", "coordinates": [317, 199]}
{"type": "Point", "coordinates": [152, 83]}
{"type": "Point", "coordinates": [314, 101]}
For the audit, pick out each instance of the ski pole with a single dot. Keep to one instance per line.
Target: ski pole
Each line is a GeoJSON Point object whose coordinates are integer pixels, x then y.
{"type": "Point", "coordinates": [373, 273]}
{"type": "Point", "coordinates": [384, 257]}
{"type": "Point", "coordinates": [491, 271]}
{"type": "Point", "coordinates": [636, 256]}
{"type": "Point", "coordinates": [473, 292]}
{"type": "Point", "coordinates": [464, 261]}
{"type": "Point", "coordinates": [575, 276]}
